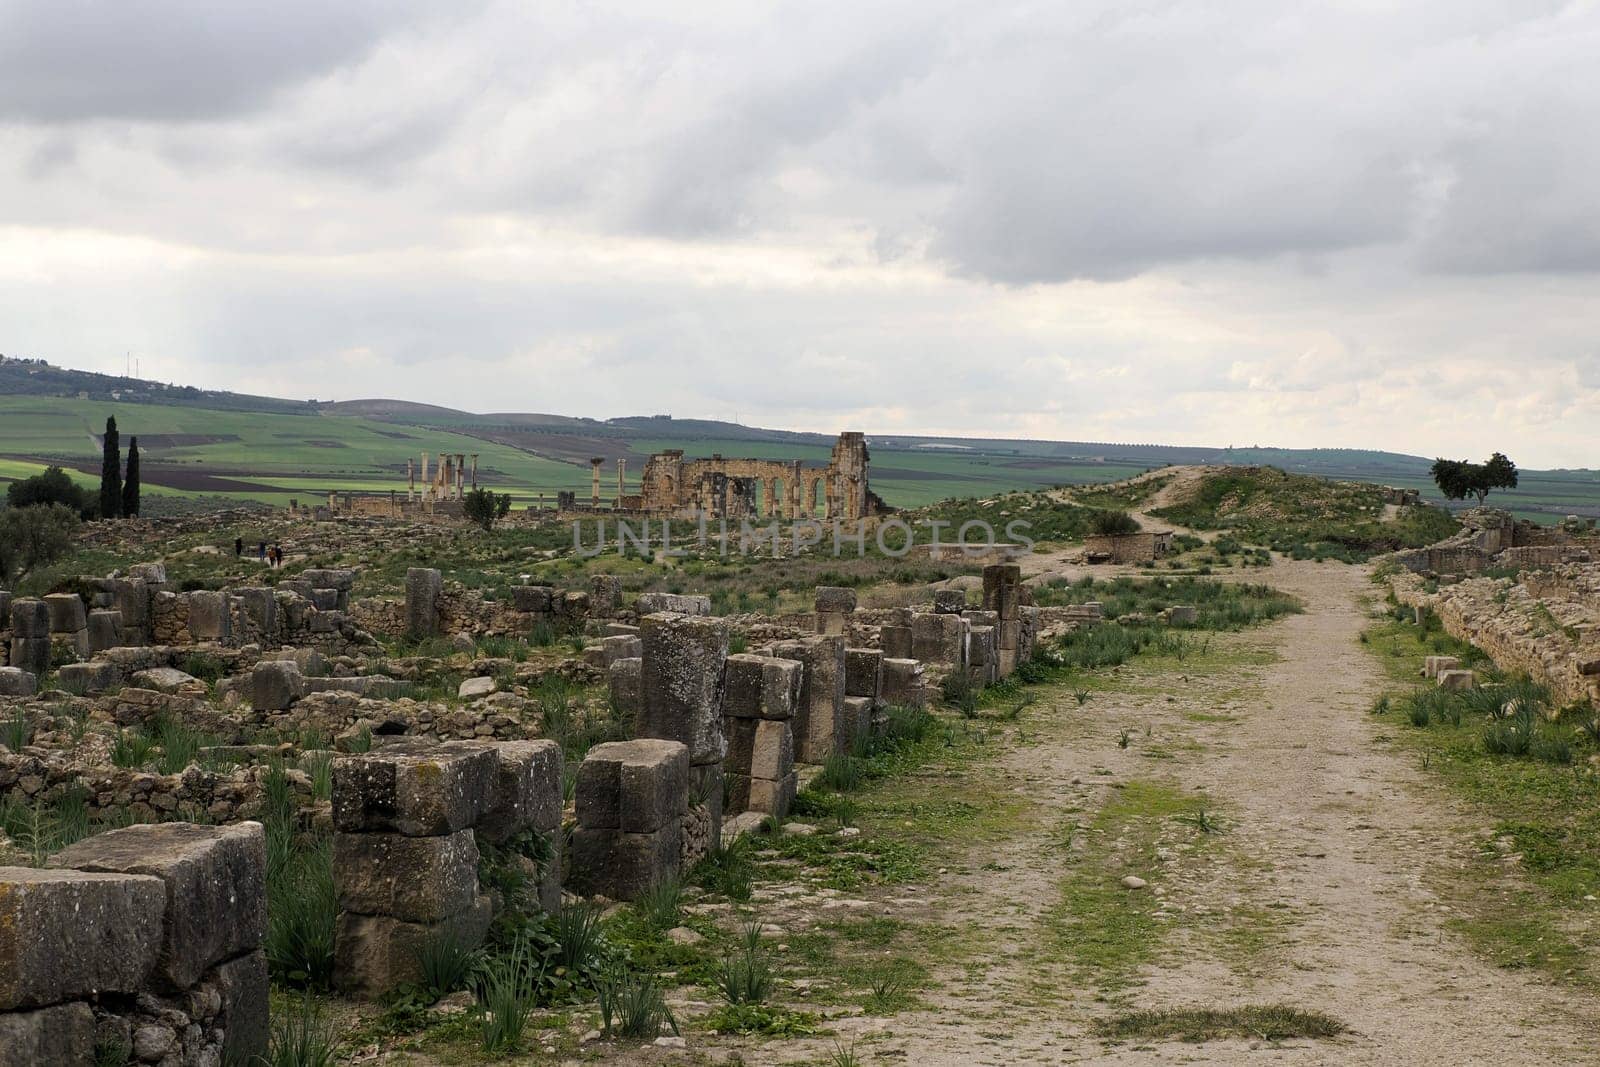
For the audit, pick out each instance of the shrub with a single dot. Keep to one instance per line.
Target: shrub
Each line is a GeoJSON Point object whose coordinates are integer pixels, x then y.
{"type": "Point", "coordinates": [841, 772]}
{"type": "Point", "coordinates": [726, 869]}
{"type": "Point", "coordinates": [302, 1038]}
{"type": "Point", "coordinates": [745, 976]}
{"type": "Point", "coordinates": [446, 962]}
{"type": "Point", "coordinates": [633, 1006]}
{"type": "Point", "coordinates": [580, 943]}
{"type": "Point", "coordinates": [16, 732]}
{"type": "Point", "coordinates": [302, 907]}
{"type": "Point", "coordinates": [506, 993]}
{"type": "Point", "coordinates": [1510, 737]}
{"type": "Point", "coordinates": [658, 905]}
{"type": "Point", "coordinates": [1113, 523]}
{"type": "Point", "coordinates": [32, 538]}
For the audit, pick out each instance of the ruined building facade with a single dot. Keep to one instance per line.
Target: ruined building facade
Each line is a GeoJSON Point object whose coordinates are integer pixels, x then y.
{"type": "Point", "coordinates": [758, 488]}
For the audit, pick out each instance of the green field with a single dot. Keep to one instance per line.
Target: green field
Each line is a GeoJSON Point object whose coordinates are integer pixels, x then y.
{"type": "Point", "coordinates": [273, 458]}
{"type": "Point", "coordinates": [287, 451]}
{"type": "Point", "coordinates": [191, 451]}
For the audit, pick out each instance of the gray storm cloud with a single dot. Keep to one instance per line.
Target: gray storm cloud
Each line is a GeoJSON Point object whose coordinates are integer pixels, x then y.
{"type": "Point", "coordinates": [1163, 218]}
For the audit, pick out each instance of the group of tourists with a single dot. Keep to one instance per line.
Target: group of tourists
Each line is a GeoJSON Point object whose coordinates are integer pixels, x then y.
{"type": "Point", "coordinates": [271, 555]}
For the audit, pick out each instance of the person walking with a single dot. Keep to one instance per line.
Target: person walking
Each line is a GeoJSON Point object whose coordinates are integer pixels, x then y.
{"type": "Point", "coordinates": [238, 546]}
{"type": "Point", "coordinates": [261, 551]}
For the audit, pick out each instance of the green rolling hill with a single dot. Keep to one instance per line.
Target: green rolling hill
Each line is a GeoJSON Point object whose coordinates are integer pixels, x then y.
{"type": "Point", "coordinates": [230, 446]}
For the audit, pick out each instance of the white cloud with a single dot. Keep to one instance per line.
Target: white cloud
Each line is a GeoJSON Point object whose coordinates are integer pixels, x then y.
{"type": "Point", "coordinates": [1153, 221]}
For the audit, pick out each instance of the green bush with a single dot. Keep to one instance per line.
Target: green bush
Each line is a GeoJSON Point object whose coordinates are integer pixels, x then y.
{"type": "Point", "coordinates": [1113, 523]}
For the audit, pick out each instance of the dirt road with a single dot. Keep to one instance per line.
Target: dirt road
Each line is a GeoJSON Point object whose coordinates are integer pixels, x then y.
{"type": "Point", "coordinates": [1314, 891]}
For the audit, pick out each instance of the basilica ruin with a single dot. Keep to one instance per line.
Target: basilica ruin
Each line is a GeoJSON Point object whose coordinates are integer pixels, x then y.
{"type": "Point", "coordinates": [719, 487]}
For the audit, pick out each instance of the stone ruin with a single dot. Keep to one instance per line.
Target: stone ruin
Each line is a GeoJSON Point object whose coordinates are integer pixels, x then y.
{"type": "Point", "coordinates": [1143, 546]}
{"type": "Point", "coordinates": [631, 804]}
{"type": "Point", "coordinates": [408, 819]}
{"type": "Point", "coordinates": [716, 735]}
{"type": "Point", "coordinates": [147, 937]}
{"type": "Point", "coordinates": [1490, 538]}
{"type": "Point", "coordinates": [718, 487]}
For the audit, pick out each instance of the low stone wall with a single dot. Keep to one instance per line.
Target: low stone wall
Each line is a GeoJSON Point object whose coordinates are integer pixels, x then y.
{"type": "Point", "coordinates": [1547, 625]}
{"type": "Point", "coordinates": [147, 937]}
{"type": "Point", "coordinates": [223, 796]}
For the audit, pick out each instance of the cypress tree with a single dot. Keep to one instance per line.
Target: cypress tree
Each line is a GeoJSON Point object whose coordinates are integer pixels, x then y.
{"type": "Point", "coordinates": [111, 473]}
{"type": "Point", "coordinates": [130, 484]}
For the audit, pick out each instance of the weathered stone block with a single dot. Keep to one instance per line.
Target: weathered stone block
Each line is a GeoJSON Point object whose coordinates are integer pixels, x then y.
{"type": "Point", "coordinates": [1455, 680]}
{"type": "Point", "coordinates": [683, 683]}
{"type": "Point", "coordinates": [67, 934]}
{"type": "Point", "coordinates": [760, 748]}
{"type": "Point", "coordinates": [275, 685]}
{"type": "Point", "coordinates": [375, 954]}
{"type": "Point", "coordinates": [64, 1034]}
{"type": "Point", "coordinates": [325, 599]}
{"type": "Point", "coordinates": [772, 797]}
{"type": "Point", "coordinates": [527, 790]}
{"type": "Point", "coordinates": [761, 687]}
{"type": "Point", "coordinates": [418, 879]}
{"type": "Point", "coordinates": [30, 617]}
{"type": "Point", "coordinates": [165, 680]}
{"type": "Point", "coordinates": [105, 630]}
{"type": "Point", "coordinates": [605, 595]}
{"type": "Point", "coordinates": [16, 682]}
{"type": "Point", "coordinates": [531, 598]}
{"type": "Point", "coordinates": [413, 787]}
{"type": "Point", "coordinates": [634, 786]}
{"type": "Point", "coordinates": [902, 682]}
{"type": "Point", "coordinates": [1182, 615]}
{"type": "Point", "coordinates": [31, 654]}
{"type": "Point", "coordinates": [261, 605]}
{"type": "Point", "coordinates": [1008, 634]}
{"type": "Point", "coordinates": [151, 573]}
{"type": "Point", "coordinates": [622, 647]}
{"type": "Point", "coordinates": [677, 603]}
{"type": "Point", "coordinates": [1432, 665]}
{"type": "Point", "coordinates": [983, 655]}
{"type": "Point", "coordinates": [623, 865]}
{"type": "Point", "coordinates": [627, 686]}
{"type": "Point", "coordinates": [472, 688]}
{"type": "Point", "coordinates": [939, 639]}
{"type": "Point", "coordinates": [67, 615]}
{"type": "Point", "coordinates": [835, 599]}
{"type": "Point", "coordinates": [209, 619]}
{"type": "Point", "coordinates": [818, 725]}
{"type": "Point", "coordinates": [93, 677]}
{"type": "Point", "coordinates": [895, 641]}
{"type": "Point", "coordinates": [243, 985]}
{"type": "Point", "coordinates": [341, 578]}
{"type": "Point", "coordinates": [216, 886]}
{"type": "Point", "coordinates": [1002, 588]}
{"type": "Point", "coordinates": [858, 714]}
{"type": "Point", "coordinates": [863, 672]}
{"type": "Point", "coordinates": [949, 601]}
{"type": "Point", "coordinates": [424, 588]}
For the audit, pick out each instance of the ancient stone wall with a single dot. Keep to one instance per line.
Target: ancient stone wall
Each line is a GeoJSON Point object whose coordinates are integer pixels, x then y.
{"type": "Point", "coordinates": [757, 488]}
{"type": "Point", "coordinates": [146, 937]}
{"type": "Point", "coordinates": [1546, 625]}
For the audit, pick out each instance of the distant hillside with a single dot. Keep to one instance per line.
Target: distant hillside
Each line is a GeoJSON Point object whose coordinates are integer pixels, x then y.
{"type": "Point", "coordinates": [269, 448]}
{"type": "Point", "coordinates": [32, 377]}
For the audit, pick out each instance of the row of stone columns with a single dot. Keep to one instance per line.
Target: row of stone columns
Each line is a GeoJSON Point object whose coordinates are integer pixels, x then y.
{"type": "Point", "coordinates": [450, 478]}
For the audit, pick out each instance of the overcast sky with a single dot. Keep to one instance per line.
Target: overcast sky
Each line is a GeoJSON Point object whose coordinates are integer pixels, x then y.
{"type": "Point", "coordinates": [1367, 225]}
